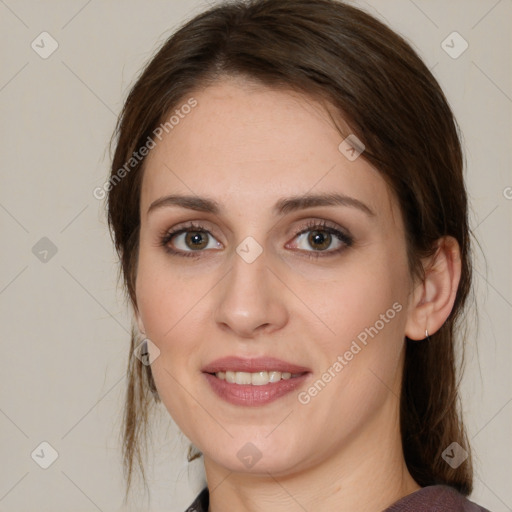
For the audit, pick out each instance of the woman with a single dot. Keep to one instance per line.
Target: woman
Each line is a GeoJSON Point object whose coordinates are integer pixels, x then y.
{"type": "Point", "coordinates": [288, 204]}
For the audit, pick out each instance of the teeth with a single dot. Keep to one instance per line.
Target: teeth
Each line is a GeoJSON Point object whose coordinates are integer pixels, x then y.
{"type": "Point", "coordinates": [259, 378]}
{"type": "Point", "coordinates": [242, 378]}
{"type": "Point", "coordinates": [273, 376]}
{"type": "Point", "coordinates": [256, 379]}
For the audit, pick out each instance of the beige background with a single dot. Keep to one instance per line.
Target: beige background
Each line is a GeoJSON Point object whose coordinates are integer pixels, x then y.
{"type": "Point", "coordinates": [64, 325]}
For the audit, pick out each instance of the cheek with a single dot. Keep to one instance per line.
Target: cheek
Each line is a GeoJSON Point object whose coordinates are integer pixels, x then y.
{"type": "Point", "coordinates": [361, 363]}
{"type": "Point", "coordinates": [160, 306]}
{"type": "Point", "coordinates": [166, 305]}
{"type": "Point", "coordinates": [173, 315]}
{"type": "Point", "coordinates": [356, 299]}
{"type": "Point", "coordinates": [365, 308]}
{"type": "Point", "coordinates": [164, 295]}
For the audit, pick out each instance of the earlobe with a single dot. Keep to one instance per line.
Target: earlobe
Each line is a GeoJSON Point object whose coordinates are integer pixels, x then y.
{"type": "Point", "coordinates": [432, 300]}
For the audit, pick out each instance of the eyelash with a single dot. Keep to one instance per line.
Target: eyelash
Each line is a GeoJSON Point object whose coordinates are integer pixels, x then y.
{"type": "Point", "coordinates": [347, 240]}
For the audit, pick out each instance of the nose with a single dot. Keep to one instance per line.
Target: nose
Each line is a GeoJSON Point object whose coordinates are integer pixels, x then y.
{"type": "Point", "coordinates": [251, 299]}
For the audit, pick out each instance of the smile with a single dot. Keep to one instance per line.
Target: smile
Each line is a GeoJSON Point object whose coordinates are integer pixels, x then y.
{"type": "Point", "coordinates": [253, 381]}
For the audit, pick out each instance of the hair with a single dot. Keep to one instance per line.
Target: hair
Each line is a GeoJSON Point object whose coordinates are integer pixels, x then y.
{"type": "Point", "coordinates": [381, 88]}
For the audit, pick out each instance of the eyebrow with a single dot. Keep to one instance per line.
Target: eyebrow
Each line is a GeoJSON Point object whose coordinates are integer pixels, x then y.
{"type": "Point", "coordinates": [282, 207]}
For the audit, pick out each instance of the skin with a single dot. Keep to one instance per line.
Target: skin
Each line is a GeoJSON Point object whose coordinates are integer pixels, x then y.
{"type": "Point", "coordinates": [247, 146]}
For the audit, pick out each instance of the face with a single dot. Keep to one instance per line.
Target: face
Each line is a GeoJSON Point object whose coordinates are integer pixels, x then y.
{"type": "Point", "coordinates": [302, 303]}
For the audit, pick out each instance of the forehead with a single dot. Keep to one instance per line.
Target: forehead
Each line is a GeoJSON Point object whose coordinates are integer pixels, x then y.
{"type": "Point", "coordinates": [244, 142]}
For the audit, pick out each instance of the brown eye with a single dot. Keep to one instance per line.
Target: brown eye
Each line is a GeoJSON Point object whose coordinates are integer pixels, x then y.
{"type": "Point", "coordinates": [189, 240]}
{"type": "Point", "coordinates": [319, 240]}
{"type": "Point", "coordinates": [196, 240]}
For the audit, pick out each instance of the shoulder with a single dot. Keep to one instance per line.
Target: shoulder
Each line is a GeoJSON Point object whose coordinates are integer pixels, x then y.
{"type": "Point", "coordinates": [435, 498]}
{"type": "Point", "coordinates": [201, 503]}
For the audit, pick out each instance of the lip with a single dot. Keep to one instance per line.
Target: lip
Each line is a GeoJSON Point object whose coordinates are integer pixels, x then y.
{"type": "Point", "coordinates": [251, 365]}
{"type": "Point", "coordinates": [247, 394]}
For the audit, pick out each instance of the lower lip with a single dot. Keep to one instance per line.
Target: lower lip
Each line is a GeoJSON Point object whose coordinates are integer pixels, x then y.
{"type": "Point", "coordinates": [248, 394]}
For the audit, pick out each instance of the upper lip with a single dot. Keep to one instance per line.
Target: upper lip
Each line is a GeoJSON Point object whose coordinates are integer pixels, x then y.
{"type": "Point", "coordinates": [252, 365]}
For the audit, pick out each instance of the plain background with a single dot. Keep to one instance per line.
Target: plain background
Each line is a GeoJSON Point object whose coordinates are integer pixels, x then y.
{"type": "Point", "coordinates": [65, 325]}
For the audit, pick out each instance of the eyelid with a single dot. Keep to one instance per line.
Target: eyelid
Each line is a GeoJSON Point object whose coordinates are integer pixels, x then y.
{"type": "Point", "coordinates": [184, 227]}
{"type": "Point", "coordinates": [311, 224]}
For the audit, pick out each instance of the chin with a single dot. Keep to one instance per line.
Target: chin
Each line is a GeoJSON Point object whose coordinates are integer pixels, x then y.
{"type": "Point", "coordinates": [261, 455]}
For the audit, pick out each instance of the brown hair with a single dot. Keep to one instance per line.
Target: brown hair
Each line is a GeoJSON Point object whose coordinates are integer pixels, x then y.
{"type": "Point", "coordinates": [392, 103]}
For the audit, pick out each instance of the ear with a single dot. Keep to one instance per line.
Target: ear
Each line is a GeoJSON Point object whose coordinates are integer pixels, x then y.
{"type": "Point", "coordinates": [431, 301]}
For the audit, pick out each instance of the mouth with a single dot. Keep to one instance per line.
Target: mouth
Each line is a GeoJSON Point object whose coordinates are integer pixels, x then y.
{"type": "Point", "coordinates": [253, 382]}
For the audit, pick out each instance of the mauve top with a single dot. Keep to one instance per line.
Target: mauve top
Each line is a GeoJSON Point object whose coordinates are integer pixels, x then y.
{"type": "Point", "coordinates": [434, 498]}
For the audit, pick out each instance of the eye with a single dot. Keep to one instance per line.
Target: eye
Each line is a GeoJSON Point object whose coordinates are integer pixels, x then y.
{"type": "Point", "coordinates": [187, 240]}
{"type": "Point", "coordinates": [322, 238]}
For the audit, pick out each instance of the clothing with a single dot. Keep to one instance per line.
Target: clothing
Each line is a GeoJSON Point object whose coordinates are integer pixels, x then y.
{"type": "Point", "coordinates": [434, 498]}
